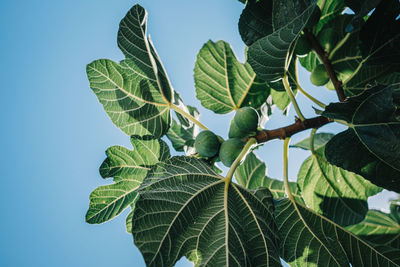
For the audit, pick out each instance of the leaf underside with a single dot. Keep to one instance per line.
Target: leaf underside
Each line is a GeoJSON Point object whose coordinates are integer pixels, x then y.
{"type": "Point", "coordinates": [185, 209]}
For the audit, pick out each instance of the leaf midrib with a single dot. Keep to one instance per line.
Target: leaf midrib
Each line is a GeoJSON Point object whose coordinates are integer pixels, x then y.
{"type": "Point", "coordinates": [180, 210]}
{"type": "Point", "coordinates": [127, 92]}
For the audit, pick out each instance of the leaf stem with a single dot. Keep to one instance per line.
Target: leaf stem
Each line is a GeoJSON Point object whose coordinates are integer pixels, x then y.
{"type": "Point", "coordinates": [316, 101]}
{"type": "Point", "coordinates": [286, 169]}
{"type": "Point", "coordinates": [339, 45]}
{"type": "Point", "coordinates": [235, 164]}
{"type": "Point", "coordinates": [188, 116]}
{"type": "Point", "coordinates": [292, 98]}
{"type": "Point", "coordinates": [312, 135]}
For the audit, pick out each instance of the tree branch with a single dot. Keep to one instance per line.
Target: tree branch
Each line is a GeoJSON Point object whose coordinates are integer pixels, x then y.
{"type": "Point", "coordinates": [316, 46]}
{"type": "Point", "coordinates": [287, 131]}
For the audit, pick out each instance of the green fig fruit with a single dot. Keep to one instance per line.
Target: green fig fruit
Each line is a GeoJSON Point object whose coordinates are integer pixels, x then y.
{"type": "Point", "coordinates": [230, 150]}
{"type": "Point", "coordinates": [207, 144]}
{"type": "Point", "coordinates": [319, 76]}
{"type": "Point", "coordinates": [246, 119]}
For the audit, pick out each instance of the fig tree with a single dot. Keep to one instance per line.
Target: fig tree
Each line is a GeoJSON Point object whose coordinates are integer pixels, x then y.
{"type": "Point", "coordinates": [319, 76]}
{"type": "Point", "coordinates": [207, 144]}
{"type": "Point", "coordinates": [230, 150]}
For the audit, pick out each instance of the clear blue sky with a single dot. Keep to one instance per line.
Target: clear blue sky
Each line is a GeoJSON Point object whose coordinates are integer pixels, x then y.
{"type": "Point", "coordinates": [54, 131]}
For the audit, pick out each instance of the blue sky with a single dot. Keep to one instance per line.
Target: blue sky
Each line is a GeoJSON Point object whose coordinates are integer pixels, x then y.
{"type": "Point", "coordinates": [54, 131]}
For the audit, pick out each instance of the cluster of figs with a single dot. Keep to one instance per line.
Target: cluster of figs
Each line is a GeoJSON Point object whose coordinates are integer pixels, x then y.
{"type": "Point", "coordinates": [243, 124]}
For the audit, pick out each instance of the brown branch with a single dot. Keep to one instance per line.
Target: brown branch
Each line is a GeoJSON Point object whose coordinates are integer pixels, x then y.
{"type": "Point", "coordinates": [316, 46]}
{"type": "Point", "coordinates": [287, 131]}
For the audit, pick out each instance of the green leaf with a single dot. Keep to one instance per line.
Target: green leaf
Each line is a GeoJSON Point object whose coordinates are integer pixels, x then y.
{"type": "Point", "coordinates": [182, 134]}
{"type": "Point", "coordinates": [285, 11]}
{"type": "Point", "coordinates": [320, 139]}
{"type": "Point", "coordinates": [378, 228]}
{"type": "Point", "coordinates": [222, 82]}
{"type": "Point", "coordinates": [256, 21]}
{"type": "Point", "coordinates": [366, 77]}
{"type": "Point", "coordinates": [380, 35]}
{"type": "Point", "coordinates": [361, 9]}
{"type": "Point", "coordinates": [270, 55]}
{"type": "Point", "coordinates": [136, 94]}
{"type": "Point", "coordinates": [128, 221]}
{"type": "Point", "coordinates": [257, 97]}
{"type": "Point", "coordinates": [331, 9]}
{"type": "Point", "coordinates": [136, 45]}
{"type": "Point", "coordinates": [309, 239]}
{"type": "Point", "coordinates": [282, 100]}
{"type": "Point", "coordinates": [186, 209]}
{"type": "Point", "coordinates": [347, 58]}
{"type": "Point", "coordinates": [395, 210]}
{"type": "Point", "coordinates": [337, 194]}
{"type": "Point", "coordinates": [128, 167]}
{"type": "Point", "coordinates": [371, 145]}
{"type": "Point", "coordinates": [251, 174]}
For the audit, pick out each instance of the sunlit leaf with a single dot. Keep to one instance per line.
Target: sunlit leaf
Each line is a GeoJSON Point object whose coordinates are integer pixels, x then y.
{"type": "Point", "coordinates": [252, 174]}
{"type": "Point", "coordinates": [135, 93]}
{"type": "Point", "coordinates": [222, 82]}
{"type": "Point", "coordinates": [331, 9]}
{"type": "Point", "coordinates": [309, 239]}
{"type": "Point", "coordinates": [128, 168]}
{"type": "Point", "coordinates": [378, 228]}
{"type": "Point", "coordinates": [320, 139]}
{"type": "Point", "coordinates": [182, 132]}
{"type": "Point", "coordinates": [337, 194]}
{"type": "Point", "coordinates": [186, 209]}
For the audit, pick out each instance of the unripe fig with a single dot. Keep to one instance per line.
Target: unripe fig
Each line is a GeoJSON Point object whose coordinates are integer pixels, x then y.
{"type": "Point", "coordinates": [327, 38]}
{"type": "Point", "coordinates": [207, 144]}
{"type": "Point", "coordinates": [302, 46]}
{"type": "Point", "coordinates": [235, 131]}
{"type": "Point", "coordinates": [319, 76]}
{"type": "Point", "coordinates": [230, 150]}
{"type": "Point", "coordinates": [246, 119]}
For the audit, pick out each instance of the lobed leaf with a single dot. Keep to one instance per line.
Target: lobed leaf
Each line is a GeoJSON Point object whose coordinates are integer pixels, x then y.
{"type": "Point", "coordinates": [186, 209]}
{"type": "Point", "coordinates": [371, 145]}
{"type": "Point", "coordinates": [182, 132]}
{"type": "Point", "coordinates": [136, 94]}
{"type": "Point", "coordinates": [380, 35]}
{"type": "Point", "coordinates": [256, 21]}
{"type": "Point", "coordinates": [251, 174]}
{"type": "Point", "coordinates": [222, 82]}
{"type": "Point", "coordinates": [309, 239]}
{"type": "Point", "coordinates": [330, 10]}
{"type": "Point", "coordinates": [339, 195]}
{"type": "Point", "coordinates": [270, 55]}
{"type": "Point", "coordinates": [320, 139]}
{"type": "Point", "coordinates": [378, 228]}
{"type": "Point", "coordinates": [128, 167]}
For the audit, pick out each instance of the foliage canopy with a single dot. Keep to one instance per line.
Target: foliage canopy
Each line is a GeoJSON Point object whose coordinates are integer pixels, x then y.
{"type": "Point", "coordinates": [183, 206]}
